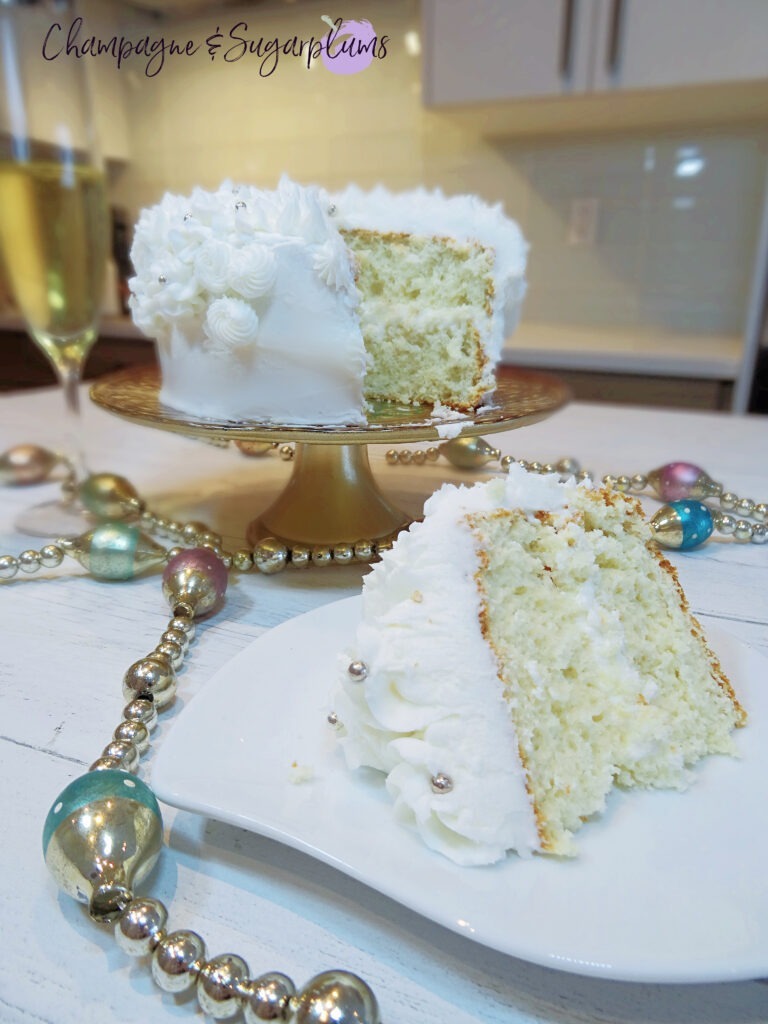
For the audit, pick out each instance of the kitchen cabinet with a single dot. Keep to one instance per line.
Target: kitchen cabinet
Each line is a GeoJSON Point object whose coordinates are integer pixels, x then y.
{"type": "Point", "coordinates": [493, 50]}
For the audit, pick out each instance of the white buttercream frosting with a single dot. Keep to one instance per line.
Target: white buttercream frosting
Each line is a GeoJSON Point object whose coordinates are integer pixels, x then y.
{"type": "Point", "coordinates": [432, 700]}
{"type": "Point", "coordinates": [263, 282]}
{"type": "Point", "coordinates": [465, 218]}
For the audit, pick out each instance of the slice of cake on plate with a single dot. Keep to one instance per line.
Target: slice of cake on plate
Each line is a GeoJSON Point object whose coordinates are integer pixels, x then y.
{"type": "Point", "coordinates": [291, 307]}
{"type": "Point", "coordinates": [521, 651]}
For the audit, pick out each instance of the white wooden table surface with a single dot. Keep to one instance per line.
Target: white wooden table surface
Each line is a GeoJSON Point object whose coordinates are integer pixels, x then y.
{"type": "Point", "coordinates": [66, 643]}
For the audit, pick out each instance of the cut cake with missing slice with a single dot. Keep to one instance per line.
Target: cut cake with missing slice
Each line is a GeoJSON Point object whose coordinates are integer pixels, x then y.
{"type": "Point", "coordinates": [526, 649]}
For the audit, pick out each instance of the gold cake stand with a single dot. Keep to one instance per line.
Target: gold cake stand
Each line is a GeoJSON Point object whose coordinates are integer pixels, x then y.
{"type": "Point", "coordinates": [331, 496]}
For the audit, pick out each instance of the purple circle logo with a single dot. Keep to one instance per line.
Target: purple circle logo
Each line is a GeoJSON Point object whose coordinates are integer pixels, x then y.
{"type": "Point", "coordinates": [349, 47]}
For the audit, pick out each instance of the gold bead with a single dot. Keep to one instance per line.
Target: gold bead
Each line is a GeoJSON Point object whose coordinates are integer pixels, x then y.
{"type": "Point", "coordinates": [29, 560]}
{"type": "Point", "coordinates": [343, 553]}
{"type": "Point", "coordinates": [152, 677]}
{"type": "Point", "coordinates": [321, 555]}
{"type": "Point", "coordinates": [51, 556]}
{"type": "Point", "coordinates": [419, 457]}
{"type": "Point", "coordinates": [506, 462]}
{"type": "Point", "coordinates": [270, 556]}
{"type": "Point", "coordinates": [391, 457]}
{"type": "Point", "coordinates": [108, 496]}
{"type": "Point", "coordinates": [468, 452]}
{"type": "Point", "coordinates": [242, 560]}
{"type": "Point", "coordinates": [433, 454]}
{"type": "Point", "coordinates": [286, 453]}
{"type": "Point", "coordinates": [253, 447]}
{"type": "Point", "coordinates": [26, 464]}
{"type": "Point", "coordinates": [9, 566]}
{"type": "Point", "coordinates": [300, 556]}
{"type": "Point", "coordinates": [405, 456]}
{"type": "Point", "coordinates": [363, 550]}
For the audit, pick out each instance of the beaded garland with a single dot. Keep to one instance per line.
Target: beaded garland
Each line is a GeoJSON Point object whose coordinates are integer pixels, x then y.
{"type": "Point", "coordinates": [109, 809]}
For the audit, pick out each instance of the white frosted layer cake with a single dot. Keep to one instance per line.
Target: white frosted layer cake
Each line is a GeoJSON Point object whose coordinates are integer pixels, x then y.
{"type": "Point", "coordinates": [293, 307]}
{"type": "Point", "coordinates": [526, 648]}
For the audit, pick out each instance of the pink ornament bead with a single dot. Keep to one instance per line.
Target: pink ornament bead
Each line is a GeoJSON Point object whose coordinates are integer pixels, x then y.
{"type": "Point", "coordinates": [678, 480]}
{"type": "Point", "coordinates": [197, 578]}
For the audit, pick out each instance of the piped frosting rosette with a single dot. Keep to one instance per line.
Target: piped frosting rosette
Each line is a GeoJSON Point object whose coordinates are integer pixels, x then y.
{"type": "Point", "coordinates": [206, 263]}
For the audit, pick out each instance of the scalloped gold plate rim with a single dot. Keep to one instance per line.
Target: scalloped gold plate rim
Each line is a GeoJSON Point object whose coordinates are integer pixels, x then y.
{"type": "Point", "coordinates": [522, 397]}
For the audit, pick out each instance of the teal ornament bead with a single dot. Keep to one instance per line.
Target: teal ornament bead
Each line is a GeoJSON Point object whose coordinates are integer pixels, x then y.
{"type": "Point", "coordinates": [108, 496]}
{"type": "Point", "coordinates": [114, 551]}
{"type": "Point", "coordinates": [102, 835]}
{"type": "Point", "coordinates": [683, 525]}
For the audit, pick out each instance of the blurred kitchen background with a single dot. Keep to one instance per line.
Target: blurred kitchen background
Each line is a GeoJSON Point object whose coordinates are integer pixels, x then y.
{"type": "Point", "coordinates": [629, 138]}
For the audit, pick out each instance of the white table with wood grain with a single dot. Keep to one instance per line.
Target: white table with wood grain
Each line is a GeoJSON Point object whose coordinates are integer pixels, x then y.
{"type": "Point", "coordinates": [67, 640]}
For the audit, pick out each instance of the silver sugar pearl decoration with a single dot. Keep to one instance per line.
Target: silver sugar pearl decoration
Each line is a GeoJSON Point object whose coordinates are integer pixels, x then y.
{"type": "Point", "coordinates": [441, 783]}
{"type": "Point", "coordinates": [331, 211]}
{"type": "Point", "coordinates": [177, 961]}
{"type": "Point", "coordinates": [332, 718]}
{"type": "Point", "coordinates": [162, 279]}
{"type": "Point", "coordinates": [140, 928]}
{"type": "Point", "coordinates": [357, 671]}
{"type": "Point", "coordinates": [240, 205]}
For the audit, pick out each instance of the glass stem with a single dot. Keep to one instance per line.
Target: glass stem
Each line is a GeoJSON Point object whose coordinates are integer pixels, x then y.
{"type": "Point", "coordinates": [70, 376]}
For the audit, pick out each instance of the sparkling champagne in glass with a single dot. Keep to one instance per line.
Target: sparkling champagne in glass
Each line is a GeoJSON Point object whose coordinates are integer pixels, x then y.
{"type": "Point", "coordinates": [53, 213]}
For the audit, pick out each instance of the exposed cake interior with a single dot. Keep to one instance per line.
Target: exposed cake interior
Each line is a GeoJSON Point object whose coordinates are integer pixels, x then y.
{"type": "Point", "coordinates": [425, 314]}
{"type": "Point", "coordinates": [605, 674]}
{"type": "Point", "coordinates": [528, 642]}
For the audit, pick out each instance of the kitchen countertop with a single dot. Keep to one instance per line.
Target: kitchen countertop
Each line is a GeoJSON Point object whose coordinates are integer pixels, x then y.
{"type": "Point", "coordinates": [68, 641]}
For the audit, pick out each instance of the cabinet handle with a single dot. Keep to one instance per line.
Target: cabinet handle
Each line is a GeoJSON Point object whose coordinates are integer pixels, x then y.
{"type": "Point", "coordinates": [613, 55]}
{"type": "Point", "coordinates": [566, 38]}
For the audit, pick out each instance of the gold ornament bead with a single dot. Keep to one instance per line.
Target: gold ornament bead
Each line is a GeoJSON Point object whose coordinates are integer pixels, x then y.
{"type": "Point", "coordinates": [177, 961]}
{"type": "Point", "coordinates": [9, 566]}
{"type": "Point", "coordinates": [568, 466]}
{"type": "Point", "coordinates": [123, 751]}
{"type": "Point", "coordinates": [51, 556]}
{"type": "Point", "coordinates": [391, 457]}
{"type": "Point", "coordinates": [141, 710]}
{"type": "Point", "coordinates": [103, 764]}
{"type": "Point", "coordinates": [405, 456]}
{"type": "Point", "coordinates": [524, 464]}
{"type": "Point", "coordinates": [103, 833]}
{"type": "Point", "coordinates": [172, 651]}
{"type": "Point", "coordinates": [760, 512]}
{"type": "Point", "coordinates": [745, 506]}
{"type": "Point", "coordinates": [176, 636]}
{"type": "Point", "coordinates": [183, 610]}
{"type": "Point", "coordinates": [286, 453]}
{"type": "Point", "coordinates": [192, 530]}
{"type": "Point", "coordinates": [321, 555]}
{"type": "Point", "coordinates": [270, 556]}
{"type": "Point", "coordinates": [639, 482]}
{"type": "Point", "coordinates": [29, 561]}
{"type": "Point", "coordinates": [728, 500]}
{"type": "Point", "coordinates": [363, 550]}
{"type": "Point", "coordinates": [385, 544]}
{"type": "Point", "coordinates": [210, 537]}
{"type": "Point", "coordinates": [335, 996]}
{"type": "Point", "coordinates": [226, 559]}
{"type": "Point", "coordinates": [419, 457]}
{"type": "Point", "coordinates": [219, 984]}
{"type": "Point", "coordinates": [139, 930]}
{"type": "Point", "coordinates": [343, 553]}
{"type": "Point", "coordinates": [108, 496]}
{"type": "Point", "coordinates": [622, 483]}
{"type": "Point", "coordinates": [300, 556]}
{"type": "Point", "coordinates": [505, 462]}
{"type": "Point", "coordinates": [253, 447]}
{"type": "Point", "coordinates": [726, 523]}
{"type": "Point", "coordinates": [535, 467]}
{"type": "Point", "coordinates": [185, 623]}
{"type": "Point", "coordinates": [114, 551]}
{"type": "Point", "coordinates": [267, 997]}
{"type": "Point", "coordinates": [432, 453]}
{"type": "Point", "coordinates": [133, 732]}
{"type": "Point", "coordinates": [172, 552]}
{"type": "Point", "coordinates": [242, 560]}
{"type": "Point", "coordinates": [468, 452]}
{"type": "Point", "coordinates": [742, 531]}
{"type": "Point", "coordinates": [548, 467]}
{"type": "Point", "coordinates": [609, 480]}
{"type": "Point", "coordinates": [152, 677]}
{"type": "Point", "coordinates": [26, 464]}
{"type": "Point", "coordinates": [583, 474]}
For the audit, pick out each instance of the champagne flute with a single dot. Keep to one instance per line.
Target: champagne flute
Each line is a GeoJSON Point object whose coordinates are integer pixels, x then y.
{"type": "Point", "coordinates": [53, 213]}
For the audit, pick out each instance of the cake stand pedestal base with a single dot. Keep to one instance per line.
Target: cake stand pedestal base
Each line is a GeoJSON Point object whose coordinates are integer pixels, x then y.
{"type": "Point", "coordinates": [331, 498]}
